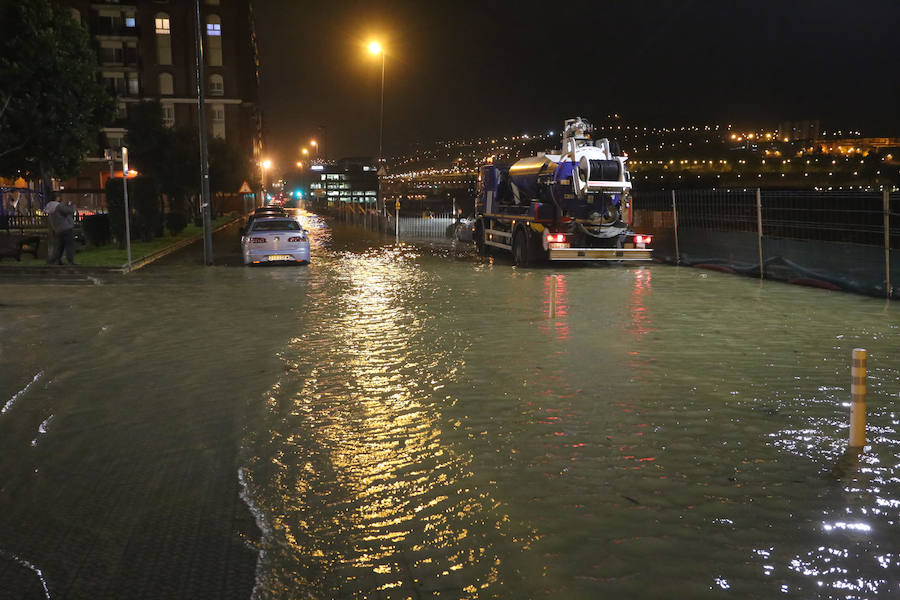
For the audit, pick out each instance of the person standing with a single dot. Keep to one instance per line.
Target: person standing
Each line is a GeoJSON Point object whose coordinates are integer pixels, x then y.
{"type": "Point", "coordinates": [50, 208]}
{"type": "Point", "coordinates": [62, 220]}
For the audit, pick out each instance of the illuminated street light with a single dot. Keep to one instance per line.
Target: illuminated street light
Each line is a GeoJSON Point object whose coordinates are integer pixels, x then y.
{"type": "Point", "coordinates": [266, 165]}
{"type": "Point", "coordinates": [315, 145]}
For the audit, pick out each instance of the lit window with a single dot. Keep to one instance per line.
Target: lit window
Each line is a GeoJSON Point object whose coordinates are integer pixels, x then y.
{"type": "Point", "coordinates": [163, 40]}
{"type": "Point", "coordinates": [129, 22]}
{"type": "Point", "coordinates": [213, 41]}
{"type": "Point", "coordinates": [162, 26]}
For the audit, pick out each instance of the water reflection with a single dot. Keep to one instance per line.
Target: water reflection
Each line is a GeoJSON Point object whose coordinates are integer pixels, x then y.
{"type": "Point", "coordinates": [365, 494]}
{"type": "Point", "coordinates": [438, 432]}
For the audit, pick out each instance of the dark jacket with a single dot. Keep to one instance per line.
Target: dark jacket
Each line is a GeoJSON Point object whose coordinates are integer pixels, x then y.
{"type": "Point", "coordinates": [63, 218]}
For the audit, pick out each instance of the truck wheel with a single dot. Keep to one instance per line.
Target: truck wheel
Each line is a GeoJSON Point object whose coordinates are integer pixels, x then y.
{"type": "Point", "coordinates": [480, 246]}
{"type": "Point", "coordinates": [521, 251]}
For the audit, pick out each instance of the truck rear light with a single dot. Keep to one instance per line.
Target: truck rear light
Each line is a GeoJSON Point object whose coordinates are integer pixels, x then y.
{"type": "Point", "coordinates": [254, 240]}
{"type": "Point", "coordinates": [556, 237]}
{"type": "Point", "coordinates": [643, 239]}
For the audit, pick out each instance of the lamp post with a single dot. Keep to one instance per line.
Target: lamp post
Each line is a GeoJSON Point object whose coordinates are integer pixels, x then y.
{"type": "Point", "coordinates": [375, 48]}
{"type": "Point", "coordinates": [205, 207]}
{"type": "Point", "coordinates": [315, 145]}
{"type": "Point", "coordinates": [127, 210]}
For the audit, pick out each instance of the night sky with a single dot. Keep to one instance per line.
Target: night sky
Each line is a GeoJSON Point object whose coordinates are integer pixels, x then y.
{"type": "Point", "coordinates": [456, 69]}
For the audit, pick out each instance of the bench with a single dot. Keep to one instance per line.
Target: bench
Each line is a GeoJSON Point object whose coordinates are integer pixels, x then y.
{"type": "Point", "coordinates": [16, 246]}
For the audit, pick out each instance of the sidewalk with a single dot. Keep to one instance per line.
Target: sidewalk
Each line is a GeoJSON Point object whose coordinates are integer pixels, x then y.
{"type": "Point", "coordinates": [109, 259]}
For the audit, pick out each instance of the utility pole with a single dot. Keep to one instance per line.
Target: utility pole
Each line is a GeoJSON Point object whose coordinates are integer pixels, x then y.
{"type": "Point", "coordinates": [204, 151]}
{"type": "Point", "coordinates": [127, 208]}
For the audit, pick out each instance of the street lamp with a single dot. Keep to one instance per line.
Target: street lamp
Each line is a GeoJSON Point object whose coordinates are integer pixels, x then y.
{"type": "Point", "coordinates": [315, 145]}
{"type": "Point", "coordinates": [266, 165]}
{"type": "Point", "coordinates": [375, 48]}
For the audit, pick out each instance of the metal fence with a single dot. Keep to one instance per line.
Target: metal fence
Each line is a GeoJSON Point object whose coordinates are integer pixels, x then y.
{"type": "Point", "coordinates": [428, 227]}
{"type": "Point", "coordinates": [29, 222]}
{"type": "Point", "coordinates": [833, 239]}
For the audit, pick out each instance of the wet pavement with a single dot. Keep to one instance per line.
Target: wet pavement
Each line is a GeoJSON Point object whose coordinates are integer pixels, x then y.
{"type": "Point", "coordinates": [411, 422]}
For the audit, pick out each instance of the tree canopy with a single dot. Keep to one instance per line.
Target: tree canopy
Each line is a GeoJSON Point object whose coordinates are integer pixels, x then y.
{"type": "Point", "coordinates": [51, 105]}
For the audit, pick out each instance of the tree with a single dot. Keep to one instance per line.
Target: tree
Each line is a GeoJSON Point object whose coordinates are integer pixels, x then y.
{"type": "Point", "coordinates": [148, 140]}
{"type": "Point", "coordinates": [170, 157]}
{"type": "Point", "coordinates": [228, 167]}
{"type": "Point", "coordinates": [52, 104]}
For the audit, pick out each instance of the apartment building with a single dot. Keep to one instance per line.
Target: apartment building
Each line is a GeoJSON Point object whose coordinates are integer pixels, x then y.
{"type": "Point", "coordinates": [146, 50]}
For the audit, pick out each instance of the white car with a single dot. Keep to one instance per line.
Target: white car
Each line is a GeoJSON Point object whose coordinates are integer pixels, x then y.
{"type": "Point", "coordinates": [275, 240]}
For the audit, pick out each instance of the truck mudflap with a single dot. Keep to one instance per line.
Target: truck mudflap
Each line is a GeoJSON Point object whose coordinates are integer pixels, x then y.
{"type": "Point", "coordinates": [617, 254]}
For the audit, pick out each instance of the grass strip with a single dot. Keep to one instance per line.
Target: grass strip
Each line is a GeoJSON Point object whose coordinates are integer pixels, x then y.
{"type": "Point", "coordinates": [111, 256]}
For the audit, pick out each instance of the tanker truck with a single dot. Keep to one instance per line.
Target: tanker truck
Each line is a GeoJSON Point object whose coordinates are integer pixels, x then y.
{"type": "Point", "coordinates": [574, 205]}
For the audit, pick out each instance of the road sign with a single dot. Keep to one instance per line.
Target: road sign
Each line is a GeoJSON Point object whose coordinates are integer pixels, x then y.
{"type": "Point", "coordinates": [245, 189]}
{"type": "Point", "coordinates": [397, 205]}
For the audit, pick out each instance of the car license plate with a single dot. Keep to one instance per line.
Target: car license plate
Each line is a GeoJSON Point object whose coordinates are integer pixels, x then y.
{"type": "Point", "coordinates": [280, 257]}
{"type": "Point", "coordinates": [558, 245]}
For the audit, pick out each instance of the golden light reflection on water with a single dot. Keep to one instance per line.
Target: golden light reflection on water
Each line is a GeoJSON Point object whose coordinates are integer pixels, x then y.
{"type": "Point", "coordinates": [365, 483]}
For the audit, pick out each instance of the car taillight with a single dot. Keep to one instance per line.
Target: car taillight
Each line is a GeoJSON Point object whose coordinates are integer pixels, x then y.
{"type": "Point", "coordinates": [643, 239]}
{"type": "Point", "coordinates": [556, 237]}
{"type": "Point", "coordinates": [257, 240]}
{"type": "Point", "coordinates": [295, 239]}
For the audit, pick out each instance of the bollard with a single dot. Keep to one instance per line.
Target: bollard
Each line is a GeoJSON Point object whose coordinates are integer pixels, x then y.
{"type": "Point", "coordinates": [553, 296]}
{"type": "Point", "coordinates": [858, 399]}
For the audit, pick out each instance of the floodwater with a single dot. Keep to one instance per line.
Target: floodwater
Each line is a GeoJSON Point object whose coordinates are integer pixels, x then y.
{"type": "Point", "coordinates": [411, 421]}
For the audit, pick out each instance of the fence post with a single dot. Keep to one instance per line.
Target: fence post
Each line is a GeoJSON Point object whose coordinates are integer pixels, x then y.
{"type": "Point", "coordinates": [759, 231]}
{"type": "Point", "coordinates": [675, 221]}
{"type": "Point", "coordinates": [887, 244]}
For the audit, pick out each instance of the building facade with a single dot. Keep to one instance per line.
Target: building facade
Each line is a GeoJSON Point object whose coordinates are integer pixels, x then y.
{"type": "Point", "coordinates": [348, 182]}
{"type": "Point", "coordinates": [146, 50]}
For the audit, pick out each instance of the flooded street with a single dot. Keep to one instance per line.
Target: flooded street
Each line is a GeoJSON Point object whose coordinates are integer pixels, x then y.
{"type": "Point", "coordinates": [412, 422]}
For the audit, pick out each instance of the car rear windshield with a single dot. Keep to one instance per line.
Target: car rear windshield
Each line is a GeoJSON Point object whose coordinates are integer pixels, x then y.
{"type": "Point", "coordinates": [280, 225]}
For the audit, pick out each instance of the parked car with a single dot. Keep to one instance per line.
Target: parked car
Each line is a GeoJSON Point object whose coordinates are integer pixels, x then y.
{"type": "Point", "coordinates": [275, 240]}
{"type": "Point", "coordinates": [262, 211]}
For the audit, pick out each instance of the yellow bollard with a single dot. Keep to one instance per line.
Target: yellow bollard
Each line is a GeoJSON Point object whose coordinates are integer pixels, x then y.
{"type": "Point", "coordinates": [858, 399]}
